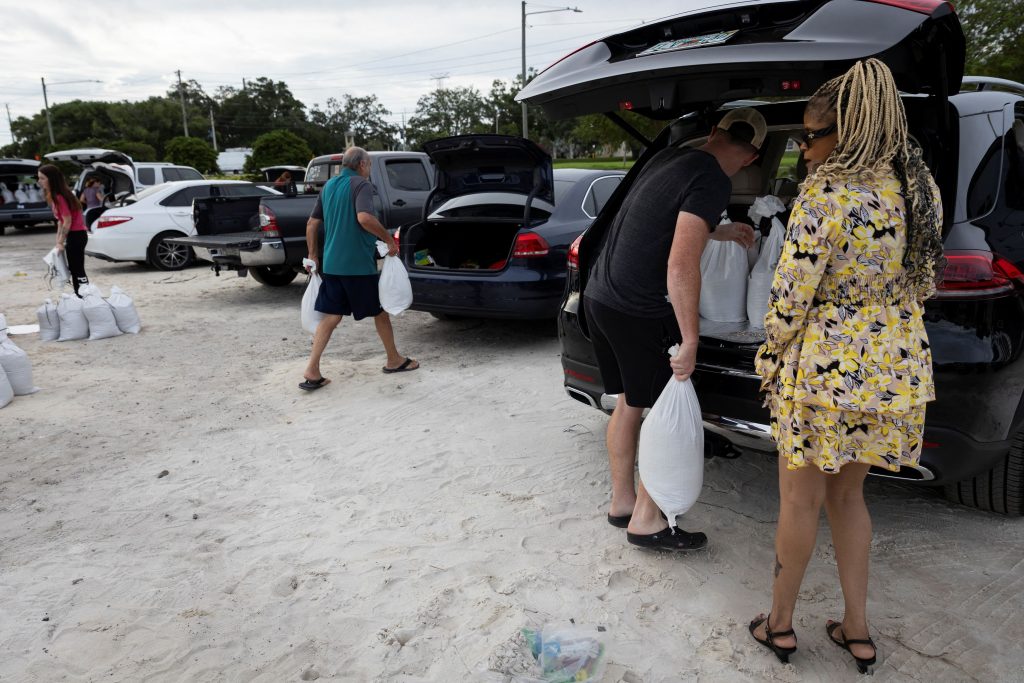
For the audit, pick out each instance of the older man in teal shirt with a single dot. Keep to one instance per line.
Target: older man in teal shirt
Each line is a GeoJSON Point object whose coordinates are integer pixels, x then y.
{"type": "Point", "coordinates": [349, 268]}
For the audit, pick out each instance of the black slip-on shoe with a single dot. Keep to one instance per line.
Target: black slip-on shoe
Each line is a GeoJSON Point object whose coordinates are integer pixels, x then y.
{"type": "Point", "coordinates": [680, 541]}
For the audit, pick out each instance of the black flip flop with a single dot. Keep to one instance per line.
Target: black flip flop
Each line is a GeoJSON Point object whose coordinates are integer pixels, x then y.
{"type": "Point", "coordinates": [680, 541]}
{"type": "Point", "coordinates": [620, 521]}
{"type": "Point", "coordinates": [313, 384]}
{"type": "Point", "coordinates": [404, 367]}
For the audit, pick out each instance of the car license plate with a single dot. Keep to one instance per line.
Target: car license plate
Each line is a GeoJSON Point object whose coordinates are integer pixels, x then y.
{"type": "Point", "coordinates": [688, 43]}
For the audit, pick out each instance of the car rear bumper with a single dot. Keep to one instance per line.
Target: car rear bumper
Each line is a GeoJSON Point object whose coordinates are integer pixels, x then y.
{"type": "Point", "coordinates": [268, 252]}
{"type": "Point", "coordinates": [26, 216]}
{"type": "Point", "coordinates": [514, 293]}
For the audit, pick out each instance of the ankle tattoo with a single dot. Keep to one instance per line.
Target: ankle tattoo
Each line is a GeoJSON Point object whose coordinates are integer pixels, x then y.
{"type": "Point", "coordinates": [778, 566]}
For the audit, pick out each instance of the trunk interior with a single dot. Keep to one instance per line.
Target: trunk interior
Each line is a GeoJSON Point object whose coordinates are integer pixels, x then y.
{"type": "Point", "coordinates": [464, 244]}
{"type": "Point", "coordinates": [225, 215]}
{"type": "Point", "coordinates": [18, 188]}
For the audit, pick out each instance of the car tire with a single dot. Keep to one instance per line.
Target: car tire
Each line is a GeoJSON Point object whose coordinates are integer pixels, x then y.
{"type": "Point", "coordinates": [164, 256]}
{"type": "Point", "coordinates": [273, 276]}
{"type": "Point", "coordinates": [1000, 490]}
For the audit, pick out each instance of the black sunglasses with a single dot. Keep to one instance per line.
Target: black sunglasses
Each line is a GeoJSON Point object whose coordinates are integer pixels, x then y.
{"type": "Point", "coordinates": [809, 136]}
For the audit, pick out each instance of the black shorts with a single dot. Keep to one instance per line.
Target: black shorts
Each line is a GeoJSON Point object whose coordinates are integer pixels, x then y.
{"type": "Point", "coordinates": [354, 295]}
{"type": "Point", "coordinates": [632, 352]}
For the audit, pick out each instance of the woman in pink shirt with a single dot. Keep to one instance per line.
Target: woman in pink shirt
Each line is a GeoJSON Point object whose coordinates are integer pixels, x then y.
{"type": "Point", "coordinates": [71, 232]}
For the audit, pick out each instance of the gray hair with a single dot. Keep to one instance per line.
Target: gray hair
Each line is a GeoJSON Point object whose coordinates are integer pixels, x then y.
{"type": "Point", "coordinates": [353, 157]}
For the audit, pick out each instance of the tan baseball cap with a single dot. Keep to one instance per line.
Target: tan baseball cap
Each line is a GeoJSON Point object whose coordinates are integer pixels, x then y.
{"type": "Point", "coordinates": [745, 124]}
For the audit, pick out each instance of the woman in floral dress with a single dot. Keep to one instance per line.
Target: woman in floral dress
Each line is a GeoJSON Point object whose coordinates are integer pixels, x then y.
{"type": "Point", "coordinates": [846, 366]}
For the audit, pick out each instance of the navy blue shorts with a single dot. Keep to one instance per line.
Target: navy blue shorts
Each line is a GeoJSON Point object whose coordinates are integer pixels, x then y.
{"type": "Point", "coordinates": [354, 295]}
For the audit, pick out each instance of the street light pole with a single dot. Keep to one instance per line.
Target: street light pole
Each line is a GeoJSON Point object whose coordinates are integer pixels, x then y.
{"type": "Point", "coordinates": [523, 84]}
{"type": "Point", "coordinates": [46, 105]}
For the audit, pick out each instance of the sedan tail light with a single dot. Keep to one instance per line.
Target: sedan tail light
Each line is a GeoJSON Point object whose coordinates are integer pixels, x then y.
{"type": "Point", "coordinates": [111, 221]}
{"type": "Point", "coordinates": [574, 254]}
{"type": "Point", "coordinates": [268, 222]}
{"type": "Point", "coordinates": [530, 245]}
{"type": "Point", "coordinates": [977, 274]}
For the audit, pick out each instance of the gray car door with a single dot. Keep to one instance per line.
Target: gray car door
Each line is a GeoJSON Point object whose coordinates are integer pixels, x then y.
{"type": "Point", "coordinates": [405, 186]}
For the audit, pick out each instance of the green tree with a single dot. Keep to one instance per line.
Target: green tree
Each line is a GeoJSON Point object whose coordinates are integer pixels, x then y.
{"type": "Point", "coordinates": [445, 112]}
{"type": "Point", "coordinates": [277, 147]}
{"type": "Point", "coordinates": [191, 152]}
{"type": "Point", "coordinates": [995, 37]}
{"type": "Point", "coordinates": [365, 117]}
{"type": "Point", "coordinates": [264, 105]}
{"type": "Point", "coordinates": [138, 151]}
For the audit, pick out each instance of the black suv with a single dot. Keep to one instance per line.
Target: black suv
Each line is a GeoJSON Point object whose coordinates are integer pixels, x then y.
{"type": "Point", "coordinates": [773, 55]}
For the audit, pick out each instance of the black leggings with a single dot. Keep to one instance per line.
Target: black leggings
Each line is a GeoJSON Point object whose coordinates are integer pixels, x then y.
{"type": "Point", "coordinates": [75, 250]}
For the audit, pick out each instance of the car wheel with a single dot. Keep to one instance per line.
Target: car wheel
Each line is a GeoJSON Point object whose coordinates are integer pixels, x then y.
{"type": "Point", "coordinates": [165, 256]}
{"type": "Point", "coordinates": [1001, 489]}
{"type": "Point", "coordinates": [273, 276]}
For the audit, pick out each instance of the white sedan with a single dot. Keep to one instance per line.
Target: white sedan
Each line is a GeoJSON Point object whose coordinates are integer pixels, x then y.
{"type": "Point", "coordinates": [135, 229]}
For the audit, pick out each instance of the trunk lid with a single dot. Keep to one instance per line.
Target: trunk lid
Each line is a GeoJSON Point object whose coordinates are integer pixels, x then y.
{"type": "Point", "coordinates": [92, 155]}
{"type": "Point", "coordinates": [471, 164]}
{"type": "Point", "coordinates": [751, 49]}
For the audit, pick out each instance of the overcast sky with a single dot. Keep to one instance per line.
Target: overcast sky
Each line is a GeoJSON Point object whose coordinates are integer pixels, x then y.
{"type": "Point", "coordinates": [394, 49]}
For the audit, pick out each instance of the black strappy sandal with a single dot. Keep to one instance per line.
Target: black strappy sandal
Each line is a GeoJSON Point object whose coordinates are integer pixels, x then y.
{"type": "Point", "coordinates": [782, 653]}
{"type": "Point", "coordinates": [863, 665]}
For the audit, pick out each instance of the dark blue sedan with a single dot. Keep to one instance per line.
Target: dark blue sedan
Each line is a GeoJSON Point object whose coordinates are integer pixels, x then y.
{"type": "Point", "coordinates": [499, 227]}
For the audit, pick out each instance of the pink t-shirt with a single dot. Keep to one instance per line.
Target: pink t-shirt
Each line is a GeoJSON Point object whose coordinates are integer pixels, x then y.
{"type": "Point", "coordinates": [60, 209]}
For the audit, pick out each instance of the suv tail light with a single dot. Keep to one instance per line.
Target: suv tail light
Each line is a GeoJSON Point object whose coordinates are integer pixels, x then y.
{"type": "Point", "coordinates": [530, 245]}
{"type": "Point", "coordinates": [573, 261]}
{"type": "Point", "coordinates": [922, 6]}
{"type": "Point", "coordinates": [268, 222]}
{"type": "Point", "coordinates": [398, 232]}
{"type": "Point", "coordinates": [111, 221]}
{"type": "Point", "coordinates": [971, 275]}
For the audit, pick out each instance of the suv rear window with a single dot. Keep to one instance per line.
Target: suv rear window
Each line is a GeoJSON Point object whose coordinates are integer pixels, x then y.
{"type": "Point", "coordinates": [189, 174]}
{"type": "Point", "coordinates": [147, 176]}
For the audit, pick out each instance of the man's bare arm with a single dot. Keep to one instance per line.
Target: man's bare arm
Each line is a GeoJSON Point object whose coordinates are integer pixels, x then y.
{"type": "Point", "coordinates": [369, 223]}
{"type": "Point", "coordinates": [312, 229]}
{"type": "Point", "coordinates": [688, 242]}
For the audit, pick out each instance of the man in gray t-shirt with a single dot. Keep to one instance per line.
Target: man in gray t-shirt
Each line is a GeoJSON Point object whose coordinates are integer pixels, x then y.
{"type": "Point", "coordinates": [643, 295]}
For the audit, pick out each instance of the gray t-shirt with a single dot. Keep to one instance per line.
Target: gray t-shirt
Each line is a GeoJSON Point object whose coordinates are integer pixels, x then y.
{"type": "Point", "coordinates": [362, 198]}
{"type": "Point", "coordinates": [630, 274]}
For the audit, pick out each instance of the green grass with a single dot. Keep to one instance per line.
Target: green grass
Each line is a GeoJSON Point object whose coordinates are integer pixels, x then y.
{"type": "Point", "coordinates": [601, 164]}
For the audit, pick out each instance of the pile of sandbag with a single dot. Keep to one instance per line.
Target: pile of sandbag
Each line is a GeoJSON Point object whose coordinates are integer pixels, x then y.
{"type": "Point", "coordinates": [16, 375]}
{"type": "Point", "coordinates": [736, 282]}
{"type": "Point", "coordinates": [91, 317]}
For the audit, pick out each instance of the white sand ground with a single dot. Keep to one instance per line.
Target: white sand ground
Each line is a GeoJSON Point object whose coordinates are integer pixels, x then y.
{"type": "Point", "coordinates": [403, 528]}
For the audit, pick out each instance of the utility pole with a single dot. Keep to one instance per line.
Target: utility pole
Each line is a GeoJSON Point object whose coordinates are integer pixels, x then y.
{"type": "Point", "coordinates": [213, 130]}
{"type": "Point", "coordinates": [181, 95]}
{"type": "Point", "coordinates": [9, 124]}
{"type": "Point", "coordinates": [46, 105]}
{"type": "Point", "coordinates": [525, 13]}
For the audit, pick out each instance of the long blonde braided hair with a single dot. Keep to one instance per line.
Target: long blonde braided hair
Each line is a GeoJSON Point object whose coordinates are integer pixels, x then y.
{"type": "Point", "coordinates": [873, 142]}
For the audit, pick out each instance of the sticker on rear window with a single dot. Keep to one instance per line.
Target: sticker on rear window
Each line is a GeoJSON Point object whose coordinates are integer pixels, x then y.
{"type": "Point", "coordinates": [688, 43]}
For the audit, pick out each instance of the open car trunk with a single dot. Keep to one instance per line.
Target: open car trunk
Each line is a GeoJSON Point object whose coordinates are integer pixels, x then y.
{"type": "Point", "coordinates": [481, 245]}
{"type": "Point", "coordinates": [19, 192]}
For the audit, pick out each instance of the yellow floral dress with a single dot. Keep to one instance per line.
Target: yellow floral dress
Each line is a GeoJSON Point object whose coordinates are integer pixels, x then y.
{"type": "Point", "coordinates": [846, 365]}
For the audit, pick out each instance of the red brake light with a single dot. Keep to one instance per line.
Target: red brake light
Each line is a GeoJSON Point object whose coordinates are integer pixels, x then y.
{"type": "Point", "coordinates": [397, 241]}
{"type": "Point", "coordinates": [111, 221]}
{"type": "Point", "coordinates": [977, 274]}
{"type": "Point", "coordinates": [530, 245]}
{"type": "Point", "coordinates": [574, 253]}
{"type": "Point", "coordinates": [626, 105]}
{"type": "Point", "coordinates": [922, 6]}
{"type": "Point", "coordinates": [268, 222]}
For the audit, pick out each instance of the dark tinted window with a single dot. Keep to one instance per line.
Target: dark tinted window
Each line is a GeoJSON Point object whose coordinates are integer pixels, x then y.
{"type": "Point", "coordinates": [997, 194]}
{"type": "Point", "coordinates": [185, 196]}
{"type": "Point", "coordinates": [407, 174]}
{"type": "Point", "coordinates": [242, 190]}
{"type": "Point", "coordinates": [321, 173]}
{"type": "Point", "coordinates": [599, 193]}
{"type": "Point", "coordinates": [189, 174]}
{"type": "Point", "coordinates": [147, 176]}
{"type": "Point", "coordinates": [170, 174]}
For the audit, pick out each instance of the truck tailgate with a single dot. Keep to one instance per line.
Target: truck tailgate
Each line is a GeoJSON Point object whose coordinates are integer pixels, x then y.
{"type": "Point", "coordinates": [248, 240]}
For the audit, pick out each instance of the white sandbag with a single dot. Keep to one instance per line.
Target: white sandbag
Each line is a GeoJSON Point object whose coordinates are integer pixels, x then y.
{"type": "Point", "coordinates": [310, 316]}
{"type": "Point", "coordinates": [20, 194]}
{"type": "Point", "coordinates": [102, 323]}
{"type": "Point", "coordinates": [17, 367]}
{"type": "Point", "coordinates": [754, 250]}
{"type": "Point", "coordinates": [6, 391]}
{"type": "Point", "coordinates": [7, 194]}
{"type": "Point", "coordinates": [671, 450]}
{"type": "Point", "coordinates": [57, 268]}
{"type": "Point", "coordinates": [124, 311]}
{"type": "Point", "coordinates": [759, 284]}
{"type": "Point", "coordinates": [49, 323]}
{"type": "Point", "coordinates": [765, 207]}
{"type": "Point", "coordinates": [394, 288]}
{"type": "Point", "coordinates": [73, 323]}
{"type": "Point", "coordinates": [723, 287]}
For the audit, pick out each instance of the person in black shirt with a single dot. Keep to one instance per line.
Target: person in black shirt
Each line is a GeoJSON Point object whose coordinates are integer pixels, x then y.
{"type": "Point", "coordinates": [643, 297]}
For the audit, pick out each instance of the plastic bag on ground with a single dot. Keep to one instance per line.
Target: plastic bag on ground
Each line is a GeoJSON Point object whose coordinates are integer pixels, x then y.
{"type": "Point", "coordinates": [102, 323]}
{"type": "Point", "coordinates": [73, 323]}
{"type": "Point", "coordinates": [671, 450]}
{"type": "Point", "coordinates": [568, 653]}
{"type": "Point", "coordinates": [723, 287]}
{"type": "Point", "coordinates": [49, 323]}
{"type": "Point", "coordinates": [310, 316]}
{"type": "Point", "coordinates": [57, 268]}
{"type": "Point", "coordinates": [394, 289]}
{"type": "Point", "coordinates": [17, 368]}
{"type": "Point", "coordinates": [759, 285]}
{"type": "Point", "coordinates": [124, 311]}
